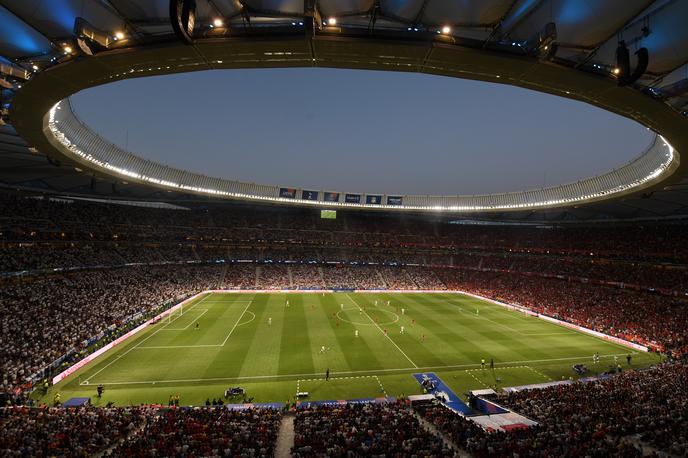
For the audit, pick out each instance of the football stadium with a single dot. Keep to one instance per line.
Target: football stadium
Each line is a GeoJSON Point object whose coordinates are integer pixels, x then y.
{"type": "Point", "coordinates": [344, 228]}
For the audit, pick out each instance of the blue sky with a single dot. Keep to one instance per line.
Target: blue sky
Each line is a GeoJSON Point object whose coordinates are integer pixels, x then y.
{"type": "Point", "coordinates": [361, 131]}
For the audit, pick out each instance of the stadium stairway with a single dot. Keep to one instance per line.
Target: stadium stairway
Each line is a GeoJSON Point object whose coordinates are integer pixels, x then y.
{"type": "Point", "coordinates": [285, 436]}
{"type": "Point", "coordinates": [381, 277]}
{"type": "Point", "coordinates": [259, 271]}
{"type": "Point", "coordinates": [432, 429]}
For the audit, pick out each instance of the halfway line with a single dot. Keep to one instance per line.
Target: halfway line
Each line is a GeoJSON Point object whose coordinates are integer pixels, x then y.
{"type": "Point", "coordinates": [383, 332]}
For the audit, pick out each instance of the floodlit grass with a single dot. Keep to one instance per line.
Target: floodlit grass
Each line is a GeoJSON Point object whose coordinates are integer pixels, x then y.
{"type": "Point", "coordinates": [227, 339]}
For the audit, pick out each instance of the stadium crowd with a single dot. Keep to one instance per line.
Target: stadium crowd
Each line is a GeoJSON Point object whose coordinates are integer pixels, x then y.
{"type": "Point", "coordinates": [137, 431]}
{"type": "Point", "coordinates": [208, 431]}
{"type": "Point", "coordinates": [47, 318]}
{"type": "Point", "coordinates": [36, 219]}
{"type": "Point", "coordinates": [46, 432]}
{"type": "Point", "coordinates": [637, 316]}
{"type": "Point", "coordinates": [363, 430]}
{"type": "Point", "coordinates": [631, 414]}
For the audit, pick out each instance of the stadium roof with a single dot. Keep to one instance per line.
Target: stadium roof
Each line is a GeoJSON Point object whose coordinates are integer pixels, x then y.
{"type": "Point", "coordinates": [563, 47]}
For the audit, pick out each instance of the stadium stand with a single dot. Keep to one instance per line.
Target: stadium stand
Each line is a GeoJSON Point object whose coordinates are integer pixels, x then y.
{"type": "Point", "coordinates": [213, 431]}
{"type": "Point", "coordinates": [64, 264]}
{"type": "Point", "coordinates": [634, 413]}
{"type": "Point", "coordinates": [363, 430]}
{"type": "Point", "coordinates": [638, 316]}
{"type": "Point", "coordinates": [137, 431]}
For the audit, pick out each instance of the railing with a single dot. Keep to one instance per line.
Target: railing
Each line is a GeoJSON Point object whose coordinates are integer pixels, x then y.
{"type": "Point", "coordinates": [77, 140]}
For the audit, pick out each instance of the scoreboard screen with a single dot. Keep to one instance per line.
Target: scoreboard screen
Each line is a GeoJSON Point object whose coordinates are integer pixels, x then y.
{"type": "Point", "coordinates": [328, 214]}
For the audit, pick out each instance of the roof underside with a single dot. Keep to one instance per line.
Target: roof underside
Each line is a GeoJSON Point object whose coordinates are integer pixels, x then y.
{"type": "Point", "coordinates": [587, 31]}
{"type": "Point", "coordinates": [33, 33]}
{"type": "Point", "coordinates": [27, 170]}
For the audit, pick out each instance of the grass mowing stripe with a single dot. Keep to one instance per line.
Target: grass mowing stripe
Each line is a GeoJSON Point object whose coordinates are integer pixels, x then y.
{"type": "Point", "coordinates": [487, 338]}
{"type": "Point", "coordinates": [295, 337]}
{"type": "Point", "coordinates": [359, 353]}
{"type": "Point", "coordinates": [442, 344]}
{"type": "Point", "coordinates": [322, 334]}
{"type": "Point", "coordinates": [453, 330]}
{"type": "Point", "coordinates": [383, 332]}
{"type": "Point", "coordinates": [264, 336]}
{"type": "Point", "coordinates": [371, 372]}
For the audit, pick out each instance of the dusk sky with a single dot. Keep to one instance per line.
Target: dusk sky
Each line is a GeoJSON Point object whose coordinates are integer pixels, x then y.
{"type": "Point", "coordinates": [360, 131]}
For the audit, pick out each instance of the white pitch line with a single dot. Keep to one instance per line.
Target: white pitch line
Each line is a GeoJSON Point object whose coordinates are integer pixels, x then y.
{"type": "Point", "coordinates": [536, 334]}
{"type": "Point", "coordinates": [298, 382]}
{"type": "Point", "coordinates": [540, 373]}
{"type": "Point", "coordinates": [477, 317]}
{"type": "Point", "coordinates": [479, 381]}
{"type": "Point", "coordinates": [380, 383]}
{"type": "Point", "coordinates": [499, 309]}
{"type": "Point", "coordinates": [236, 324]}
{"type": "Point", "coordinates": [187, 326]}
{"type": "Point", "coordinates": [383, 332]}
{"type": "Point", "coordinates": [162, 347]}
{"type": "Point", "coordinates": [254, 317]}
{"type": "Point", "coordinates": [220, 301]}
{"type": "Point", "coordinates": [114, 360]}
{"type": "Point", "coordinates": [403, 369]}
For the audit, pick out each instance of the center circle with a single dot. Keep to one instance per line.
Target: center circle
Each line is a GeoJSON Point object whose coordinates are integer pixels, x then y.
{"type": "Point", "coordinates": [367, 322]}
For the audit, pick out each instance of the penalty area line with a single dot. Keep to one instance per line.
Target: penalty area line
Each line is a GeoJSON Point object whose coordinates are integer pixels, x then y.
{"type": "Point", "coordinates": [187, 326]}
{"type": "Point", "coordinates": [236, 324]}
{"type": "Point", "coordinates": [139, 344]}
{"type": "Point", "coordinates": [354, 378]}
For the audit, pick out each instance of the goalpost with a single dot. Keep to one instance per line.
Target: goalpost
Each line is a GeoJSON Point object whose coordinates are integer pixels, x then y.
{"type": "Point", "coordinates": [169, 315]}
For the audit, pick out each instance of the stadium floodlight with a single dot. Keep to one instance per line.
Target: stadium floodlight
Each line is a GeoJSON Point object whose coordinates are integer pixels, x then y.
{"type": "Point", "coordinates": [543, 44]}
{"type": "Point", "coordinates": [90, 39]}
{"type": "Point", "coordinates": [332, 21]}
{"type": "Point", "coordinates": [11, 70]}
{"type": "Point", "coordinates": [623, 64]}
{"type": "Point", "coordinates": [183, 19]}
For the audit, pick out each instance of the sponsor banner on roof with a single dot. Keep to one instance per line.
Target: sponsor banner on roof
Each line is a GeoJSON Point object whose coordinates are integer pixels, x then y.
{"type": "Point", "coordinates": [372, 199]}
{"type": "Point", "coordinates": [352, 198]}
{"type": "Point", "coordinates": [309, 195]}
{"type": "Point", "coordinates": [331, 197]}
{"type": "Point", "coordinates": [289, 193]}
{"type": "Point", "coordinates": [394, 200]}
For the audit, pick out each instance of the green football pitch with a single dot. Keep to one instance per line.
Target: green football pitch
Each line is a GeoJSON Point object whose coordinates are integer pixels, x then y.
{"type": "Point", "coordinates": [275, 345]}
